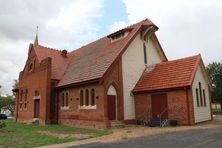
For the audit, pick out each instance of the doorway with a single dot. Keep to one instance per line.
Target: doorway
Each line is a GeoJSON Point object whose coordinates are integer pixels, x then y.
{"type": "Point", "coordinates": [111, 107]}
{"type": "Point", "coordinates": [112, 103]}
{"type": "Point", "coordinates": [159, 105]}
{"type": "Point", "coordinates": [36, 108]}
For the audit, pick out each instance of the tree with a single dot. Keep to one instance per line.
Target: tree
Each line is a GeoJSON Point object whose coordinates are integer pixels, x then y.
{"type": "Point", "coordinates": [15, 86]}
{"type": "Point", "coordinates": [215, 72]}
{"type": "Point", "coordinates": [7, 103]}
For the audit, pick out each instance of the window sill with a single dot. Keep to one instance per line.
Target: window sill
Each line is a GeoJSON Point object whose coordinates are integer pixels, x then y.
{"type": "Point", "coordinates": [36, 97]}
{"type": "Point", "coordinates": [87, 107]}
{"type": "Point", "coordinates": [64, 108]}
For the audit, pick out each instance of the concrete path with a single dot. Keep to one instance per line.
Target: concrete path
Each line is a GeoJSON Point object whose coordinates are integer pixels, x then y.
{"type": "Point", "coordinates": [207, 134]}
{"type": "Point", "coordinates": [203, 138]}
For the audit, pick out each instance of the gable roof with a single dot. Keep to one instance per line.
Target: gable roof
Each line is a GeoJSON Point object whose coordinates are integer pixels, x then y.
{"type": "Point", "coordinates": [171, 74]}
{"type": "Point", "coordinates": [92, 62]}
{"type": "Point", "coordinates": [59, 62]}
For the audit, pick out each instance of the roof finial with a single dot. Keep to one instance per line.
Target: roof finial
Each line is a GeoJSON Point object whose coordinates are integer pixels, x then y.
{"type": "Point", "coordinates": [36, 37]}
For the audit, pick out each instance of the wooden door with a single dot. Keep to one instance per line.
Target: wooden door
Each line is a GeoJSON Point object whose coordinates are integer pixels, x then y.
{"type": "Point", "coordinates": [111, 107]}
{"type": "Point", "coordinates": [159, 104]}
{"type": "Point", "coordinates": [36, 108]}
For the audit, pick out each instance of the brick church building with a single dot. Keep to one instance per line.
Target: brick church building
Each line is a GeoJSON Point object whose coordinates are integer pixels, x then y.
{"type": "Point", "coordinates": [124, 76]}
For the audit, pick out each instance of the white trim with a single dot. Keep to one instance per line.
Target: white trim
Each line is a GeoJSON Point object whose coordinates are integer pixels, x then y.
{"type": "Point", "coordinates": [64, 107]}
{"type": "Point", "coordinates": [87, 107]}
{"type": "Point", "coordinates": [36, 97]}
{"type": "Point", "coordinates": [111, 90]}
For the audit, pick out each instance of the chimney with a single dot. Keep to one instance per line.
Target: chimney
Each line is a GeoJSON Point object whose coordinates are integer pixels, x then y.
{"type": "Point", "coordinates": [64, 53]}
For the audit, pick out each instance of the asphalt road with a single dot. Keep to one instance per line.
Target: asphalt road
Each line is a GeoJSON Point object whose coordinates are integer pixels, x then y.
{"type": "Point", "coordinates": [204, 138]}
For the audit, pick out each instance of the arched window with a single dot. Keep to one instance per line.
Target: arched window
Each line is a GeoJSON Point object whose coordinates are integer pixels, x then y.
{"type": "Point", "coordinates": [67, 99]}
{"type": "Point", "coordinates": [204, 96]}
{"type": "Point", "coordinates": [197, 96]}
{"type": "Point", "coordinates": [87, 97]}
{"type": "Point", "coordinates": [63, 99]}
{"type": "Point", "coordinates": [30, 67]}
{"type": "Point", "coordinates": [21, 93]}
{"type": "Point", "coordinates": [144, 52]}
{"type": "Point", "coordinates": [92, 97]}
{"type": "Point", "coordinates": [201, 98]}
{"type": "Point", "coordinates": [26, 93]}
{"type": "Point", "coordinates": [81, 98]}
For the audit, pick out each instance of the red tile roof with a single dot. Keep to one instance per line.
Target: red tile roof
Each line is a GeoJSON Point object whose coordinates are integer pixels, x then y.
{"type": "Point", "coordinates": [92, 61]}
{"type": "Point", "coordinates": [89, 62]}
{"type": "Point", "coordinates": [59, 63]}
{"type": "Point", "coordinates": [171, 74]}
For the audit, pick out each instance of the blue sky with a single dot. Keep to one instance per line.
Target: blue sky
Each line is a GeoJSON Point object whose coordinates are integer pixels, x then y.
{"type": "Point", "coordinates": [186, 27]}
{"type": "Point", "coordinates": [114, 11]}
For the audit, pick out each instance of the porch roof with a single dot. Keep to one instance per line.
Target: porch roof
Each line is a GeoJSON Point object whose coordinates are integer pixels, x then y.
{"type": "Point", "coordinates": [166, 75]}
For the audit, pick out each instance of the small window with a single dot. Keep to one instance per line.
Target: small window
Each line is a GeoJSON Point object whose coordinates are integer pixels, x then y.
{"type": "Point", "coordinates": [20, 106]}
{"type": "Point", "coordinates": [81, 98]}
{"type": "Point", "coordinates": [63, 99]}
{"type": "Point", "coordinates": [144, 52]}
{"type": "Point", "coordinates": [87, 97]}
{"type": "Point", "coordinates": [204, 96]}
{"type": "Point", "coordinates": [67, 99]}
{"type": "Point", "coordinates": [197, 96]}
{"type": "Point", "coordinates": [30, 67]}
{"type": "Point", "coordinates": [25, 105]}
{"type": "Point", "coordinates": [201, 98]}
{"type": "Point", "coordinates": [26, 93]}
{"type": "Point", "coordinates": [21, 93]}
{"type": "Point", "coordinates": [118, 36]}
{"type": "Point", "coordinates": [92, 97]}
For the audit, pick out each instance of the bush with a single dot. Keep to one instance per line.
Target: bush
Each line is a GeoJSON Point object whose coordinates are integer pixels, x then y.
{"type": "Point", "coordinates": [173, 122]}
{"type": "Point", "coordinates": [2, 124]}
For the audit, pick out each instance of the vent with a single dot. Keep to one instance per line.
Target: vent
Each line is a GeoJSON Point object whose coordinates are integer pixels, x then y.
{"type": "Point", "coordinates": [119, 34]}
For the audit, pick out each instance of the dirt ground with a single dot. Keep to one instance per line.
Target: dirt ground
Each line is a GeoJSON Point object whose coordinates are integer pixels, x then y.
{"type": "Point", "coordinates": [64, 135]}
{"type": "Point", "coordinates": [133, 131]}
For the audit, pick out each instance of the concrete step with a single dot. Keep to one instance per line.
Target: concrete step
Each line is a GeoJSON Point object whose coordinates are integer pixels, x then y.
{"type": "Point", "coordinates": [35, 121]}
{"type": "Point", "coordinates": [117, 124]}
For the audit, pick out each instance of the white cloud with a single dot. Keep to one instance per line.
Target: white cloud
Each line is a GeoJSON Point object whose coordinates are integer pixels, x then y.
{"type": "Point", "coordinates": [187, 27]}
{"type": "Point", "coordinates": [62, 24]}
{"type": "Point", "coordinates": [117, 26]}
{"type": "Point", "coordinates": [75, 23]}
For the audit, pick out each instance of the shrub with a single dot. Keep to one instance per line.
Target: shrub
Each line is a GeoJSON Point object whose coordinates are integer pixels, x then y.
{"type": "Point", "coordinates": [2, 124]}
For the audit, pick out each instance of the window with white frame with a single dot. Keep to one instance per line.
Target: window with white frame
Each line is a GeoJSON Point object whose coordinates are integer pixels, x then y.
{"type": "Point", "coordinates": [87, 99]}
{"type": "Point", "coordinates": [64, 100]}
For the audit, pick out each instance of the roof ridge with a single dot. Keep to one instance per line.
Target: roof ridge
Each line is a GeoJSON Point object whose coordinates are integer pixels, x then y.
{"type": "Point", "coordinates": [87, 44]}
{"type": "Point", "coordinates": [180, 59]}
{"type": "Point", "coordinates": [75, 50]}
{"type": "Point", "coordinates": [107, 35]}
{"type": "Point", "coordinates": [49, 48]}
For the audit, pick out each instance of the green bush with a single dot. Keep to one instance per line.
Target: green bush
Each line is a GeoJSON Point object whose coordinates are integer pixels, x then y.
{"type": "Point", "coordinates": [2, 124]}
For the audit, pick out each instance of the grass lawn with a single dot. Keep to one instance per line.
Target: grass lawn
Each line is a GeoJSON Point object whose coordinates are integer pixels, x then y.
{"type": "Point", "coordinates": [216, 111]}
{"type": "Point", "coordinates": [24, 135]}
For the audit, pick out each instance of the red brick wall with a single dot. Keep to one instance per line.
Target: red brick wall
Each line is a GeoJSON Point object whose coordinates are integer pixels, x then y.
{"type": "Point", "coordinates": [38, 79]}
{"type": "Point", "coordinates": [82, 117]}
{"type": "Point", "coordinates": [114, 77]}
{"type": "Point", "coordinates": [93, 117]}
{"type": "Point", "coordinates": [177, 106]}
{"type": "Point", "coordinates": [143, 107]}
